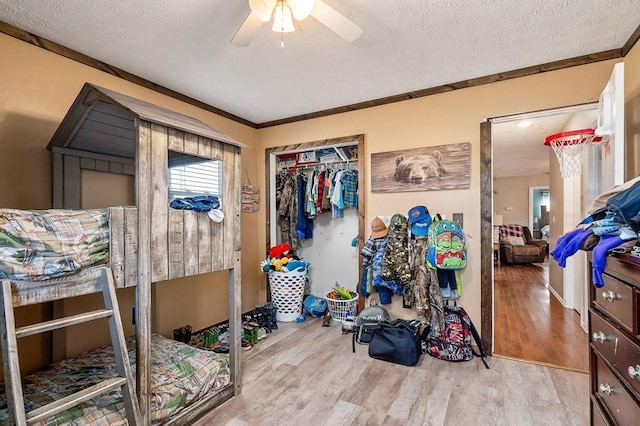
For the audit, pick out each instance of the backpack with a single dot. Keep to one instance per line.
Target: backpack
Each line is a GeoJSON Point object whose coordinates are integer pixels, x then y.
{"type": "Point", "coordinates": [455, 342]}
{"type": "Point", "coordinates": [367, 321]}
{"type": "Point", "coordinates": [446, 245]}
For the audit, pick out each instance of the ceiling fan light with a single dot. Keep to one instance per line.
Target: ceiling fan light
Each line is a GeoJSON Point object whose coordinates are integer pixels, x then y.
{"type": "Point", "coordinates": [262, 9]}
{"type": "Point", "coordinates": [282, 19]}
{"type": "Point", "coordinates": [300, 8]}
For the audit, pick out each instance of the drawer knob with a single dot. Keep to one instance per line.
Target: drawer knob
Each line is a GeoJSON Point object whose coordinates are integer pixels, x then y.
{"type": "Point", "coordinates": [599, 336]}
{"type": "Point", "coordinates": [609, 295]}
{"type": "Point", "coordinates": [634, 372]}
{"type": "Point", "coordinates": [605, 388]}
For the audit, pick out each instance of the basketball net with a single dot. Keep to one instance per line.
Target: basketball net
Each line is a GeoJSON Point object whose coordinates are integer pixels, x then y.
{"type": "Point", "coordinates": [569, 148]}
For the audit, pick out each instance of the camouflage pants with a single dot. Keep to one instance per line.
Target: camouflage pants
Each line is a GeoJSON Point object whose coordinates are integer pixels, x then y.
{"type": "Point", "coordinates": [427, 298]}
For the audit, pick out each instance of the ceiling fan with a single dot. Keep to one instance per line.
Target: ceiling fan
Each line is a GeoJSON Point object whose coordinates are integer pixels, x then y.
{"type": "Point", "coordinates": [283, 11]}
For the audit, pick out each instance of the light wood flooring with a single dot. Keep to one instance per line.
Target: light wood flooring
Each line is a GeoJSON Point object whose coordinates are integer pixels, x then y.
{"type": "Point", "coordinates": [306, 374]}
{"type": "Point", "coordinates": [531, 324]}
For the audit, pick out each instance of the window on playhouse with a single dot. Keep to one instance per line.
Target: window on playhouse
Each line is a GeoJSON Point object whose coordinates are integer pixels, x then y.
{"type": "Point", "coordinates": [190, 176]}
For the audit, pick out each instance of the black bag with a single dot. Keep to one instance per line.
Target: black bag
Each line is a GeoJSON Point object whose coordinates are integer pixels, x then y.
{"type": "Point", "coordinates": [366, 322]}
{"type": "Point", "coordinates": [398, 341]}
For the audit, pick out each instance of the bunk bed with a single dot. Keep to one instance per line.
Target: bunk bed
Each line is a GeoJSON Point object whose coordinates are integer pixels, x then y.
{"type": "Point", "coordinates": [149, 242]}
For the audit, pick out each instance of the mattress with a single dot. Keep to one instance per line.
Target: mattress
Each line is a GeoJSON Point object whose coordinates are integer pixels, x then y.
{"type": "Point", "coordinates": [180, 375]}
{"type": "Point", "coordinates": [37, 245]}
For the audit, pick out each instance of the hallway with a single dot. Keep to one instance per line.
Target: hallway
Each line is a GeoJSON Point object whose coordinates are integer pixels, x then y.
{"type": "Point", "coordinates": [531, 324]}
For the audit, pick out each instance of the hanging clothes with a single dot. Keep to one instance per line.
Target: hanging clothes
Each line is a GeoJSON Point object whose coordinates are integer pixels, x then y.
{"type": "Point", "coordinates": [350, 184]}
{"type": "Point", "coordinates": [427, 297]}
{"type": "Point", "coordinates": [304, 225]}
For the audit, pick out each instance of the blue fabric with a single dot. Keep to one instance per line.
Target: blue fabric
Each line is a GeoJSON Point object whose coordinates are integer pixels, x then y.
{"type": "Point", "coordinates": [200, 203]}
{"type": "Point", "coordinates": [304, 225]}
{"type": "Point", "coordinates": [624, 205]}
{"type": "Point", "coordinates": [568, 244]}
{"type": "Point", "coordinates": [385, 295]}
{"type": "Point", "coordinates": [599, 258]}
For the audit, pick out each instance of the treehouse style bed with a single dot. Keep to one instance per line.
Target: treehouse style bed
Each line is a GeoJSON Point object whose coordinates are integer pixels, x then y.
{"type": "Point", "coordinates": [53, 254]}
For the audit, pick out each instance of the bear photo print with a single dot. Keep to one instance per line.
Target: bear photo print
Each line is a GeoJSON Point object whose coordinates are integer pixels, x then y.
{"type": "Point", "coordinates": [431, 168]}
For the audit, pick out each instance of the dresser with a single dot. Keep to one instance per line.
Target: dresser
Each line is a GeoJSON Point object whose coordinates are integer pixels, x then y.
{"type": "Point", "coordinates": [614, 330]}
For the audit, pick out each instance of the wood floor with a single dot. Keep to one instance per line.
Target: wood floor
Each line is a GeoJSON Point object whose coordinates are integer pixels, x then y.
{"type": "Point", "coordinates": [531, 324]}
{"type": "Point", "coordinates": [306, 374]}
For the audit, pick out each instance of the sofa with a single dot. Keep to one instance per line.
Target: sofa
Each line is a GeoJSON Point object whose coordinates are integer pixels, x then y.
{"type": "Point", "coordinates": [518, 247]}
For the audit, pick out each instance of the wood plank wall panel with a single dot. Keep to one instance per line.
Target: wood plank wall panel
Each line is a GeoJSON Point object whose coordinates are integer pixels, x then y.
{"type": "Point", "coordinates": [176, 140]}
{"type": "Point", "coordinates": [116, 244]}
{"type": "Point", "coordinates": [71, 177]}
{"type": "Point", "coordinates": [204, 147]}
{"type": "Point", "coordinates": [130, 246]}
{"type": "Point", "coordinates": [228, 197]}
{"type": "Point", "coordinates": [102, 166]}
{"type": "Point", "coordinates": [58, 180]}
{"type": "Point", "coordinates": [217, 245]}
{"type": "Point", "coordinates": [190, 144]}
{"type": "Point", "coordinates": [159, 203]}
{"type": "Point", "coordinates": [237, 194]}
{"type": "Point", "coordinates": [88, 163]}
{"type": "Point", "coordinates": [217, 150]}
{"type": "Point", "coordinates": [204, 243]}
{"type": "Point", "coordinates": [176, 243]}
{"type": "Point", "coordinates": [143, 289]}
{"type": "Point", "coordinates": [190, 243]}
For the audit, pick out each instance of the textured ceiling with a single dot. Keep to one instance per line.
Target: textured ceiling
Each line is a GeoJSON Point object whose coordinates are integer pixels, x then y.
{"type": "Point", "coordinates": [406, 45]}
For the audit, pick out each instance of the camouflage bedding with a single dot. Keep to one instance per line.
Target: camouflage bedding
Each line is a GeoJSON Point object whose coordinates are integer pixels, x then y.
{"type": "Point", "coordinates": [180, 375]}
{"type": "Point", "coordinates": [41, 244]}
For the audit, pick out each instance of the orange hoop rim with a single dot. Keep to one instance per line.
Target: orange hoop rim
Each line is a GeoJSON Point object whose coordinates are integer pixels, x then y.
{"type": "Point", "coordinates": [588, 135]}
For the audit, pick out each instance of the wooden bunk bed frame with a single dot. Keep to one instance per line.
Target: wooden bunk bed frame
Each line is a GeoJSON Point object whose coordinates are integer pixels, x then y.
{"type": "Point", "coordinates": [107, 131]}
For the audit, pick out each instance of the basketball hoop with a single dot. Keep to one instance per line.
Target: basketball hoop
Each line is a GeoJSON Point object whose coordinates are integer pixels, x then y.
{"type": "Point", "coordinates": [569, 147]}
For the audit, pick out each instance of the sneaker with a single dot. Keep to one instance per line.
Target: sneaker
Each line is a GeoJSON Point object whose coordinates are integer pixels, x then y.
{"type": "Point", "coordinates": [262, 333]}
{"type": "Point", "coordinates": [222, 348]}
{"type": "Point", "coordinates": [246, 345]}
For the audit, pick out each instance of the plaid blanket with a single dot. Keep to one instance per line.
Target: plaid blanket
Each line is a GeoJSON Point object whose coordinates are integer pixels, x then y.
{"type": "Point", "coordinates": [511, 231]}
{"type": "Point", "coordinates": [180, 375]}
{"type": "Point", "coordinates": [41, 244]}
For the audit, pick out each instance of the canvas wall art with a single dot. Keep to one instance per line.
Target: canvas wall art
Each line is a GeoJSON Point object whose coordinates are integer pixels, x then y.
{"type": "Point", "coordinates": [431, 168]}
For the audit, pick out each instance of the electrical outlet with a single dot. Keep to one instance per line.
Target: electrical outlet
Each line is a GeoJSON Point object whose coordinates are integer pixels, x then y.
{"type": "Point", "coordinates": [458, 218]}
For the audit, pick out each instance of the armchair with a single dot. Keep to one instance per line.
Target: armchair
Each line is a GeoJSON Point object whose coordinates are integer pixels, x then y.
{"type": "Point", "coordinates": [518, 247]}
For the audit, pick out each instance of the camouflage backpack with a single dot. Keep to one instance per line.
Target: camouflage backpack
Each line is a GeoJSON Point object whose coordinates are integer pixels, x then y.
{"type": "Point", "coordinates": [395, 263]}
{"type": "Point", "coordinates": [447, 248]}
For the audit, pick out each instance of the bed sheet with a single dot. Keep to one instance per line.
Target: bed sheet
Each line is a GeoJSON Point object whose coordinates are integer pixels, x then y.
{"type": "Point", "coordinates": [180, 374]}
{"type": "Point", "coordinates": [37, 245]}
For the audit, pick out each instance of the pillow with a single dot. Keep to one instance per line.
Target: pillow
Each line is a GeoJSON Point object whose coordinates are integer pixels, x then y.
{"type": "Point", "coordinates": [511, 231]}
{"type": "Point", "coordinates": [515, 241]}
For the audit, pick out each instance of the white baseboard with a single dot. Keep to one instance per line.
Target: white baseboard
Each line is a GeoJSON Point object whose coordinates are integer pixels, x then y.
{"type": "Point", "coordinates": [557, 296]}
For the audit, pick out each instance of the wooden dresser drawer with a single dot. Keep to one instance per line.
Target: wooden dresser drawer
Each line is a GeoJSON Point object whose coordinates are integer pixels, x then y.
{"type": "Point", "coordinates": [618, 300]}
{"type": "Point", "coordinates": [620, 405]}
{"type": "Point", "coordinates": [621, 352]}
{"type": "Point", "coordinates": [598, 417]}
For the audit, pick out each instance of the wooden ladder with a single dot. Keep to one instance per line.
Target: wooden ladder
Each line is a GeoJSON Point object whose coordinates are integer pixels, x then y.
{"type": "Point", "coordinates": [20, 293]}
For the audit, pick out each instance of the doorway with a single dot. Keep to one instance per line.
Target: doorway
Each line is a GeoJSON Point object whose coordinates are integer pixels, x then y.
{"type": "Point", "coordinates": [348, 237]}
{"type": "Point", "coordinates": [533, 170]}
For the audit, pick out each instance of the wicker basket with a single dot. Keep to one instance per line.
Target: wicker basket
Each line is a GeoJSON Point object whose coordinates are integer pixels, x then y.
{"type": "Point", "coordinates": [287, 289]}
{"type": "Point", "coordinates": [340, 309]}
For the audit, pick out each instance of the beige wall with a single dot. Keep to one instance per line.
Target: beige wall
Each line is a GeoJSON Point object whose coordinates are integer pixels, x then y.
{"type": "Point", "coordinates": [38, 87]}
{"type": "Point", "coordinates": [511, 197]}
{"type": "Point", "coordinates": [442, 119]}
{"type": "Point", "coordinates": [36, 90]}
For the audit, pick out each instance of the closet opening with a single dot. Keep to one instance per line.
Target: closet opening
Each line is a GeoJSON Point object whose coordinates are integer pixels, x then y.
{"type": "Point", "coordinates": [332, 242]}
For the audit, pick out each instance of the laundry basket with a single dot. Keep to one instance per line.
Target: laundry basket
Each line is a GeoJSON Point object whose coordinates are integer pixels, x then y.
{"type": "Point", "coordinates": [287, 289]}
{"type": "Point", "coordinates": [340, 309]}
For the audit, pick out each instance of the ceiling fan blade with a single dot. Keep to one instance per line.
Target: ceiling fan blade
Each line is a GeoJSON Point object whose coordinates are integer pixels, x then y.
{"type": "Point", "coordinates": [245, 33]}
{"type": "Point", "coordinates": [335, 21]}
